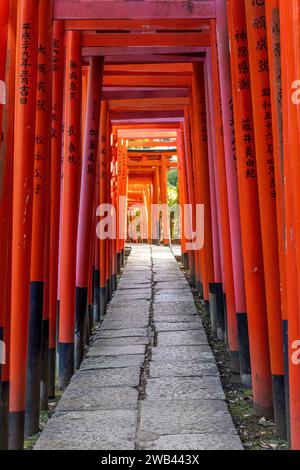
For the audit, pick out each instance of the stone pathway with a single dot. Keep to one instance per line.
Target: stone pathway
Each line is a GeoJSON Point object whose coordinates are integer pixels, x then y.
{"type": "Point", "coordinates": [149, 380]}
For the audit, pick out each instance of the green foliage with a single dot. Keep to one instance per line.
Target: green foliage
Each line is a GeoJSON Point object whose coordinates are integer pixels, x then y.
{"type": "Point", "coordinates": [172, 195]}
{"type": "Point", "coordinates": [173, 177]}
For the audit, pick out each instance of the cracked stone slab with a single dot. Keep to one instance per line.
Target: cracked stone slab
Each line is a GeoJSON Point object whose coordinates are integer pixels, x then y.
{"type": "Point", "coordinates": [181, 338]}
{"type": "Point", "coordinates": [126, 377]}
{"type": "Point", "coordinates": [139, 294]}
{"type": "Point", "coordinates": [175, 308]}
{"type": "Point", "coordinates": [134, 281]}
{"type": "Point", "coordinates": [93, 361]}
{"type": "Point", "coordinates": [129, 341]}
{"type": "Point", "coordinates": [179, 326]}
{"type": "Point", "coordinates": [125, 323]}
{"type": "Point", "coordinates": [167, 277]}
{"type": "Point", "coordinates": [134, 332]}
{"type": "Point", "coordinates": [181, 353]}
{"type": "Point", "coordinates": [177, 319]}
{"type": "Point", "coordinates": [190, 368]}
{"type": "Point", "coordinates": [88, 398]}
{"type": "Point", "coordinates": [194, 442]}
{"type": "Point", "coordinates": [172, 285]}
{"type": "Point", "coordinates": [116, 350]}
{"type": "Point", "coordinates": [129, 287]}
{"type": "Point", "coordinates": [134, 304]}
{"type": "Point", "coordinates": [173, 291]}
{"type": "Point", "coordinates": [127, 312]}
{"type": "Point", "coordinates": [167, 297]}
{"type": "Point", "coordinates": [187, 388]}
{"type": "Point", "coordinates": [164, 417]}
{"type": "Point", "coordinates": [97, 430]}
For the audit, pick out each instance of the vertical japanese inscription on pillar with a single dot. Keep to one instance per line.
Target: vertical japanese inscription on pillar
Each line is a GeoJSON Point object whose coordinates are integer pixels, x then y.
{"type": "Point", "coordinates": [72, 132]}
{"type": "Point", "coordinates": [261, 94]}
{"type": "Point", "coordinates": [245, 124]}
{"type": "Point", "coordinates": [41, 140]}
{"type": "Point", "coordinates": [56, 69]}
{"type": "Point", "coordinates": [93, 140]}
{"type": "Point", "coordinates": [25, 65]}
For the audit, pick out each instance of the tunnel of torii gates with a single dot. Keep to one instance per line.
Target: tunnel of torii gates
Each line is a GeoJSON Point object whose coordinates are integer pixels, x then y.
{"type": "Point", "coordinates": [97, 100]}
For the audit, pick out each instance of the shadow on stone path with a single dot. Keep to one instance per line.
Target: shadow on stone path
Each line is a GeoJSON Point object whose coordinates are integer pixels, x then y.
{"type": "Point", "coordinates": [149, 380]}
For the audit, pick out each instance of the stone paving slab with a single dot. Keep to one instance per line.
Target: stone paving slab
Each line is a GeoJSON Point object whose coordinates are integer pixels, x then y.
{"type": "Point", "coordinates": [194, 441]}
{"type": "Point", "coordinates": [166, 297]}
{"type": "Point", "coordinates": [123, 377]}
{"type": "Point", "coordinates": [185, 388]}
{"type": "Point", "coordinates": [129, 287]}
{"type": "Point", "coordinates": [191, 368]}
{"type": "Point", "coordinates": [93, 361]}
{"type": "Point", "coordinates": [184, 353]}
{"type": "Point", "coordinates": [97, 430]}
{"type": "Point", "coordinates": [164, 417]}
{"type": "Point", "coordinates": [178, 326]}
{"type": "Point", "coordinates": [140, 294]}
{"type": "Point", "coordinates": [177, 318]}
{"type": "Point", "coordinates": [175, 308]}
{"type": "Point", "coordinates": [129, 341]}
{"type": "Point", "coordinates": [134, 304]}
{"type": "Point", "coordinates": [181, 338]}
{"type": "Point", "coordinates": [124, 323]}
{"type": "Point", "coordinates": [87, 398]}
{"type": "Point", "coordinates": [134, 282]}
{"type": "Point", "coordinates": [116, 350]}
{"type": "Point", "coordinates": [134, 332]}
{"type": "Point", "coordinates": [171, 285]}
{"type": "Point", "coordinates": [127, 311]}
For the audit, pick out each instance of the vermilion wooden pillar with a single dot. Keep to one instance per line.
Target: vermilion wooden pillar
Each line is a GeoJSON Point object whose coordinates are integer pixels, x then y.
{"type": "Point", "coordinates": [55, 191]}
{"type": "Point", "coordinates": [25, 101]}
{"type": "Point", "coordinates": [194, 258]}
{"type": "Point", "coordinates": [155, 213]}
{"type": "Point", "coordinates": [164, 200]}
{"type": "Point", "coordinates": [4, 16]}
{"type": "Point", "coordinates": [103, 170]}
{"type": "Point", "coordinates": [217, 296]}
{"type": "Point", "coordinates": [232, 189]}
{"type": "Point", "coordinates": [39, 216]}
{"type": "Point", "coordinates": [6, 153]}
{"type": "Point", "coordinates": [95, 317]}
{"type": "Point", "coordinates": [249, 213]}
{"type": "Point", "coordinates": [232, 332]}
{"type": "Point", "coordinates": [71, 170]}
{"type": "Point", "coordinates": [290, 59]}
{"type": "Point", "coordinates": [274, 50]}
{"type": "Point", "coordinates": [109, 201]}
{"type": "Point", "coordinates": [201, 170]}
{"type": "Point", "coordinates": [113, 201]}
{"type": "Point", "coordinates": [87, 196]}
{"type": "Point", "coordinates": [262, 118]}
{"type": "Point", "coordinates": [183, 200]}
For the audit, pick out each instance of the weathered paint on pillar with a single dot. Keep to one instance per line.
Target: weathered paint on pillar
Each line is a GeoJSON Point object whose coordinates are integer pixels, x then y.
{"type": "Point", "coordinates": [102, 200]}
{"type": "Point", "coordinates": [290, 34]}
{"type": "Point", "coordinates": [55, 191]}
{"type": "Point", "coordinates": [24, 132]}
{"type": "Point", "coordinates": [87, 196]}
{"type": "Point", "coordinates": [71, 175]}
{"type": "Point", "coordinates": [249, 211]}
{"type": "Point", "coordinates": [262, 119]}
{"type": "Point", "coordinates": [216, 289]}
{"type": "Point", "coordinates": [232, 332]}
{"type": "Point", "coordinates": [39, 216]}
{"type": "Point", "coordinates": [6, 159]}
